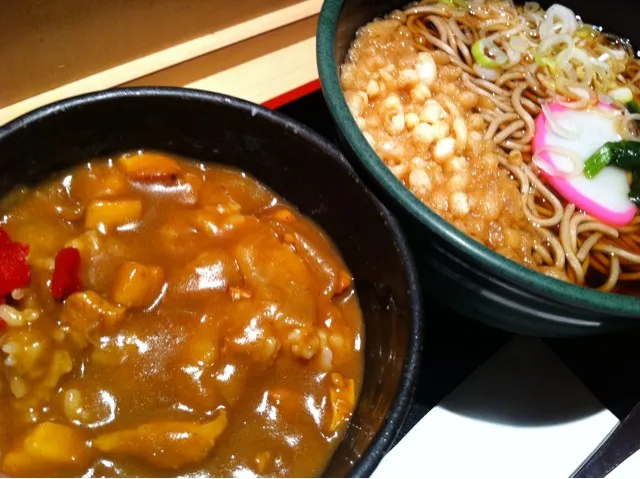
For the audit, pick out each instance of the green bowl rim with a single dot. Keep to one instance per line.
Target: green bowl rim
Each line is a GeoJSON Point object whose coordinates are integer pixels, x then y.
{"type": "Point", "coordinates": [539, 283]}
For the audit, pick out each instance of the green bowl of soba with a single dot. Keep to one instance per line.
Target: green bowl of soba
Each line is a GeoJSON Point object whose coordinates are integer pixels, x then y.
{"type": "Point", "coordinates": [506, 136]}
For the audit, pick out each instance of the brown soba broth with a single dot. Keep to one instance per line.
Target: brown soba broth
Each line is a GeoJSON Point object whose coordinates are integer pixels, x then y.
{"type": "Point", "coordinates": [495, 115]}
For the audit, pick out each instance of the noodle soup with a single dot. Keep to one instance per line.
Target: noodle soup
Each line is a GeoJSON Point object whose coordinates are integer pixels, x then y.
{"type": "Point", "coordinates": [502, 118]}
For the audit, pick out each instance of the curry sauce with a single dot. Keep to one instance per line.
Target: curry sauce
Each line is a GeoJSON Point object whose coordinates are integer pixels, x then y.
{"type": "Point", "coordinates": [178, 320]}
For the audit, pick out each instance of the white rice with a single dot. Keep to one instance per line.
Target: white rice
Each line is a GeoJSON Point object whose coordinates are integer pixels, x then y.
{"type": "Point", "coordinates": [11, 315]}
{"type": "Point", "coordinates": [10, 348]}
{"type": "Point", "coordinates": [17, 294]}
{"type": "Point", "coordinates": [15, 318]}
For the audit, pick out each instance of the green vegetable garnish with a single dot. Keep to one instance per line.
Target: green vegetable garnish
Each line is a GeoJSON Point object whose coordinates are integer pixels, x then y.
{"type": "Point", "coordinates": [623, 154]}
{"type": "Point", "coordinates": [596, 162]}
{"type": "Point", "coordinates": [587, 31]}
{"type": "Point", "coordinates": [633, 106]}
{"type": "Point", "coordinates": [634, 193]}
{"type": "Point", "coordinates": [487, 54]}
{"type": "Point", "coordinates": [457, 3]}
{"type": "Point", "coordinates": [545, 61]}
{"type": "Point", "coordinates": [545, 58]}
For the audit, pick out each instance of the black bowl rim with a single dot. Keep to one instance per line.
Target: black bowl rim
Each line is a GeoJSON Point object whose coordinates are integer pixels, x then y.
{"type": "Point", "coordinates": [615, 304]}
{"type": "Point", "coordinates": [401, 403]}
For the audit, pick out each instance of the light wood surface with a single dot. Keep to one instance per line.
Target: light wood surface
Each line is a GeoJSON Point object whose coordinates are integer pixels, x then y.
{"type": "Point", "coordinates": [257, 69]}
{"type": "Point", "coordinates": [280, 71]}
{"type": "Point", "coordinates": [293, 37]}
{"type": "Point", "coordinates": [45, 44]}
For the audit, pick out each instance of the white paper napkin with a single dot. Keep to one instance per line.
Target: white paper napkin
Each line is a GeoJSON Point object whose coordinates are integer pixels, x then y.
{"type": "Point", "coordinates": [629, 469]}
{"type": "Point", "coordinates": [522, 414]}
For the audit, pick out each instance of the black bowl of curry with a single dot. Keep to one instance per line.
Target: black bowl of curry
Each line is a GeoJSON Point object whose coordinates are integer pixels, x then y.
{"type": "Point", "coordinates": [191, 284]}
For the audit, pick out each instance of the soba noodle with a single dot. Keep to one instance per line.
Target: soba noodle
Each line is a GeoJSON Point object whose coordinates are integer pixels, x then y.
{"type": "Point", "coordinates": [565, 242]}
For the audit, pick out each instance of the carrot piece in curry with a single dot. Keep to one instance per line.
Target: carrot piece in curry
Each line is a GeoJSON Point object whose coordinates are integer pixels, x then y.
{"type": "Point", "coordinates": [344, 282]}
{"type": "Point", "coordinates": [105, 215]}
{"type": "Point", "coordinates": [284, 215]}
{"type": "Point", "coordinates": [97, 180]}
{"type": "Point", "coordinates": [151, 167]}
{"type": "Point", "coordinates": [137, 285]}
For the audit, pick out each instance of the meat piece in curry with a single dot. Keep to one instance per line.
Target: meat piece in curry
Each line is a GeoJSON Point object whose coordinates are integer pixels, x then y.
{"type": "Point", "coordinates": [162, 317]}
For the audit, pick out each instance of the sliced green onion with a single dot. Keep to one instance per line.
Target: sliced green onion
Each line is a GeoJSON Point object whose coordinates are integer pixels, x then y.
{"type": "Point", "coordinates": [568, 22]}
{"type": "Point", "coordinates": [550, 53]}
{"type": "Point", "coordinates": [545, 61]}
{"type": "Point", "coordinates": [584, 59]}
{"type": "Point", "coordinates": [596, 162]}
{"type": "Point", "coordinates": [622, 95]}
{"type": "Point", "coordinates": [487, 54]}
{"type": "Point", "coordinates": [457, 3]}
{"type": "Point", "coordinates": [587, 31]}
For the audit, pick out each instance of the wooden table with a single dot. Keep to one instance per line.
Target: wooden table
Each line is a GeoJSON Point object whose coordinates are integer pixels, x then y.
{"type": "Point", "coordinates": [260, 51]}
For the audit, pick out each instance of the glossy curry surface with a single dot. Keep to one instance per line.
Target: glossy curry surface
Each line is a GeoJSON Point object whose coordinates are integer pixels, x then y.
{"type": "Point", "coordinates": [215, 331]}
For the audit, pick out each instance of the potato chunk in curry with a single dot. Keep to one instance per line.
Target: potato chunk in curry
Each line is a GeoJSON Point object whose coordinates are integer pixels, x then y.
{"type": "Point", "coordinates": [169, 444]}
{"type": "Point", "coordinates": [178, 319]}
{"type": "Point", "coordinates": [48, 447]}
